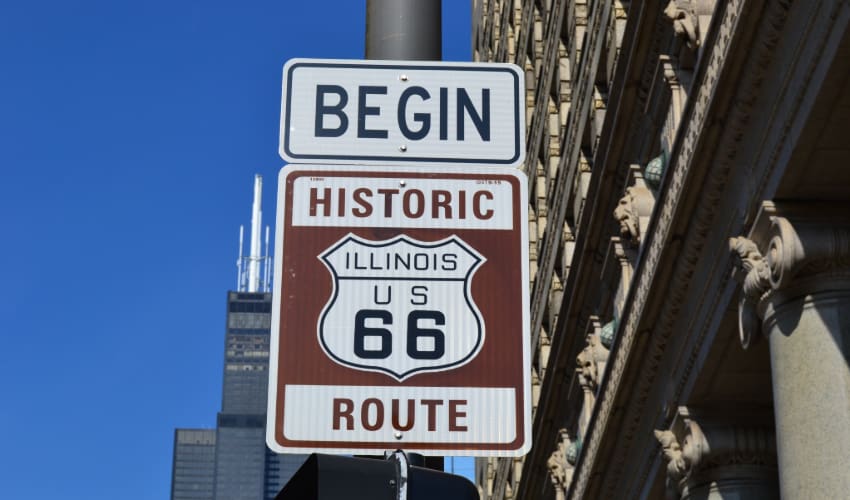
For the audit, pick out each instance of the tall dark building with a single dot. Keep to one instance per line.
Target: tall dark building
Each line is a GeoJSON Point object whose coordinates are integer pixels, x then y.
{"type": "Point", "coordinates": [193, 472]}
{"type": "Point", "coordinates": [232, 462]}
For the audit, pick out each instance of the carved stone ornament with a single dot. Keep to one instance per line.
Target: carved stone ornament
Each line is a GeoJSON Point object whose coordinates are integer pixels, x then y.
{"type": "Point", "coordinates": [685, 22]}
{"type": "Point", "coordinates": [700, 456]}
{"type": "Point", "coordinates": [633, 212]}
{"type": "Point", "coordinates": [591, 361]}
{"type": "Point", "coordinates": [672, 451]}
{"type": "Point", "coordinates": [626, 215]}
{"type": "Point", "coordinates": [804, 251]}
{"type": "Point", "coordinates": [557, 465]}
{"type": "Point", "coordinates": [756, 276]}
{"type": "Point", "coordinates": [755, 282]}
{"type": "Point", "coordinates": [560, 471]}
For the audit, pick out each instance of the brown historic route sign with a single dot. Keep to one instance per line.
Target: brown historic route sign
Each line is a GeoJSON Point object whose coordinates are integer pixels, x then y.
{"type": "Point", "coordinates": [401, 311]}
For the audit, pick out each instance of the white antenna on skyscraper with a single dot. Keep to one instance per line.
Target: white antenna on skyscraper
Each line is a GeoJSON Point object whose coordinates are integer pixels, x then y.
{"type": "Point", "coordinates": [266, 266]}
{"type": "Point", "coordinates": [239, 261]}
{"type": "Point", "coordinates": [256, 224]}
{"type": "Point", "coordinates": [254, 269]}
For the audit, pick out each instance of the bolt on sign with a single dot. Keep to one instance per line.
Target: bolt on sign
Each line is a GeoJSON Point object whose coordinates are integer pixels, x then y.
{"type": "Point", "coordinates": [400, 112]}
{"type": "Point", "coordinates": [401, 311]}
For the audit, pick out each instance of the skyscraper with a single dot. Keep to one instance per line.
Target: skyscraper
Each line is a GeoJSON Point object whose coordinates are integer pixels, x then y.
{"type": "Point", "coordinates": [232, 462]}
{"type": "Point", "coordinates": [193, 472]}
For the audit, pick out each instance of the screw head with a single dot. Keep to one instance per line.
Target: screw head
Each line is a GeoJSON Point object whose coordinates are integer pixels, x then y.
{"type": "Point", "coordinates": [399, 435]}
{"type": "Point", "coordinates": [402, 148]}
{"type": "Point", "coordinates": [403, 77]}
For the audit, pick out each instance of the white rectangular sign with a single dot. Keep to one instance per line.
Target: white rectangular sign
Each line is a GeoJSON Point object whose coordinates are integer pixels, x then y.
{"type": "Point", "coordinates": [397, 112]}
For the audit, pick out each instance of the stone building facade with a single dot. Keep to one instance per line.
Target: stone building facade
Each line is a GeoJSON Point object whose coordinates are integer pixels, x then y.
{"type": "Point", "coordinates": [689, 174]}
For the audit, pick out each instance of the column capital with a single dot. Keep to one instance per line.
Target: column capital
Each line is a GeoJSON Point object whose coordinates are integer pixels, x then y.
{"type": "Point", "coordinates": [793, 249]}
{"type": "Point", "coordinates": [705, 447]}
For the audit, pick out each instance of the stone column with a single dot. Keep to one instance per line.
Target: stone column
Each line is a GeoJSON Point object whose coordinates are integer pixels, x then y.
{"type": "Point", "coordinates": [795, 269]}
{"type": "Point", "coordinates": [720, 455]}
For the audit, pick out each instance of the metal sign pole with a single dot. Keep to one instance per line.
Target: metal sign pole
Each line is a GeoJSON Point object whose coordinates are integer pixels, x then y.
{"type": "Point", "coordinates": [406, 30]}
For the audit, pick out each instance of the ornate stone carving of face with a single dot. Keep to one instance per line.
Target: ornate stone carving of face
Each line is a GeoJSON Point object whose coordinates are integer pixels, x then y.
{"type": "Point", "coordinates": [627, 217]}
{"type": "Point", "coordinates": [587, 367]}
{"type": "Point", "coordinates": [557, 464]}
{"type": "Point", "coordinates": [684, 22]}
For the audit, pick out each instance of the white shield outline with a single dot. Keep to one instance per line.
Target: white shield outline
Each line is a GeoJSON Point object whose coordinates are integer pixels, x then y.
{"type": "Point", "coordinates": [349, 239]}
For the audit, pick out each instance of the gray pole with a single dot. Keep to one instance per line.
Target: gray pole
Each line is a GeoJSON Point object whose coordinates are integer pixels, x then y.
{"type": "Point", "coordinates": [404, 30]}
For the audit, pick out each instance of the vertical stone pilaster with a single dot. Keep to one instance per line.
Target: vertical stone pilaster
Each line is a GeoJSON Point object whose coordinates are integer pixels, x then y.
{"type": "Point", "coordinates": [795, 270]}
{"type": "Point", "coordinates": [617, 271]}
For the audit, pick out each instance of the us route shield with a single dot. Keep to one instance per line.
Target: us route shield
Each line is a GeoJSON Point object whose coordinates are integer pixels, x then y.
{"type": "Point", "coordinates": [410, 303]}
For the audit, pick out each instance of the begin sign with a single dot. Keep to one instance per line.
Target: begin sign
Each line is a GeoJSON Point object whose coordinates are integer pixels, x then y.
{"type": "Point", "coordinates": [400, 316]}
{"type": "Point", "coordinates": [395, 112]}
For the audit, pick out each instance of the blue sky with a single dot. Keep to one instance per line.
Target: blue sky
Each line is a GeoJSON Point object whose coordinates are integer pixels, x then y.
{"type": "Point", "coordinates": [129, 136]}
